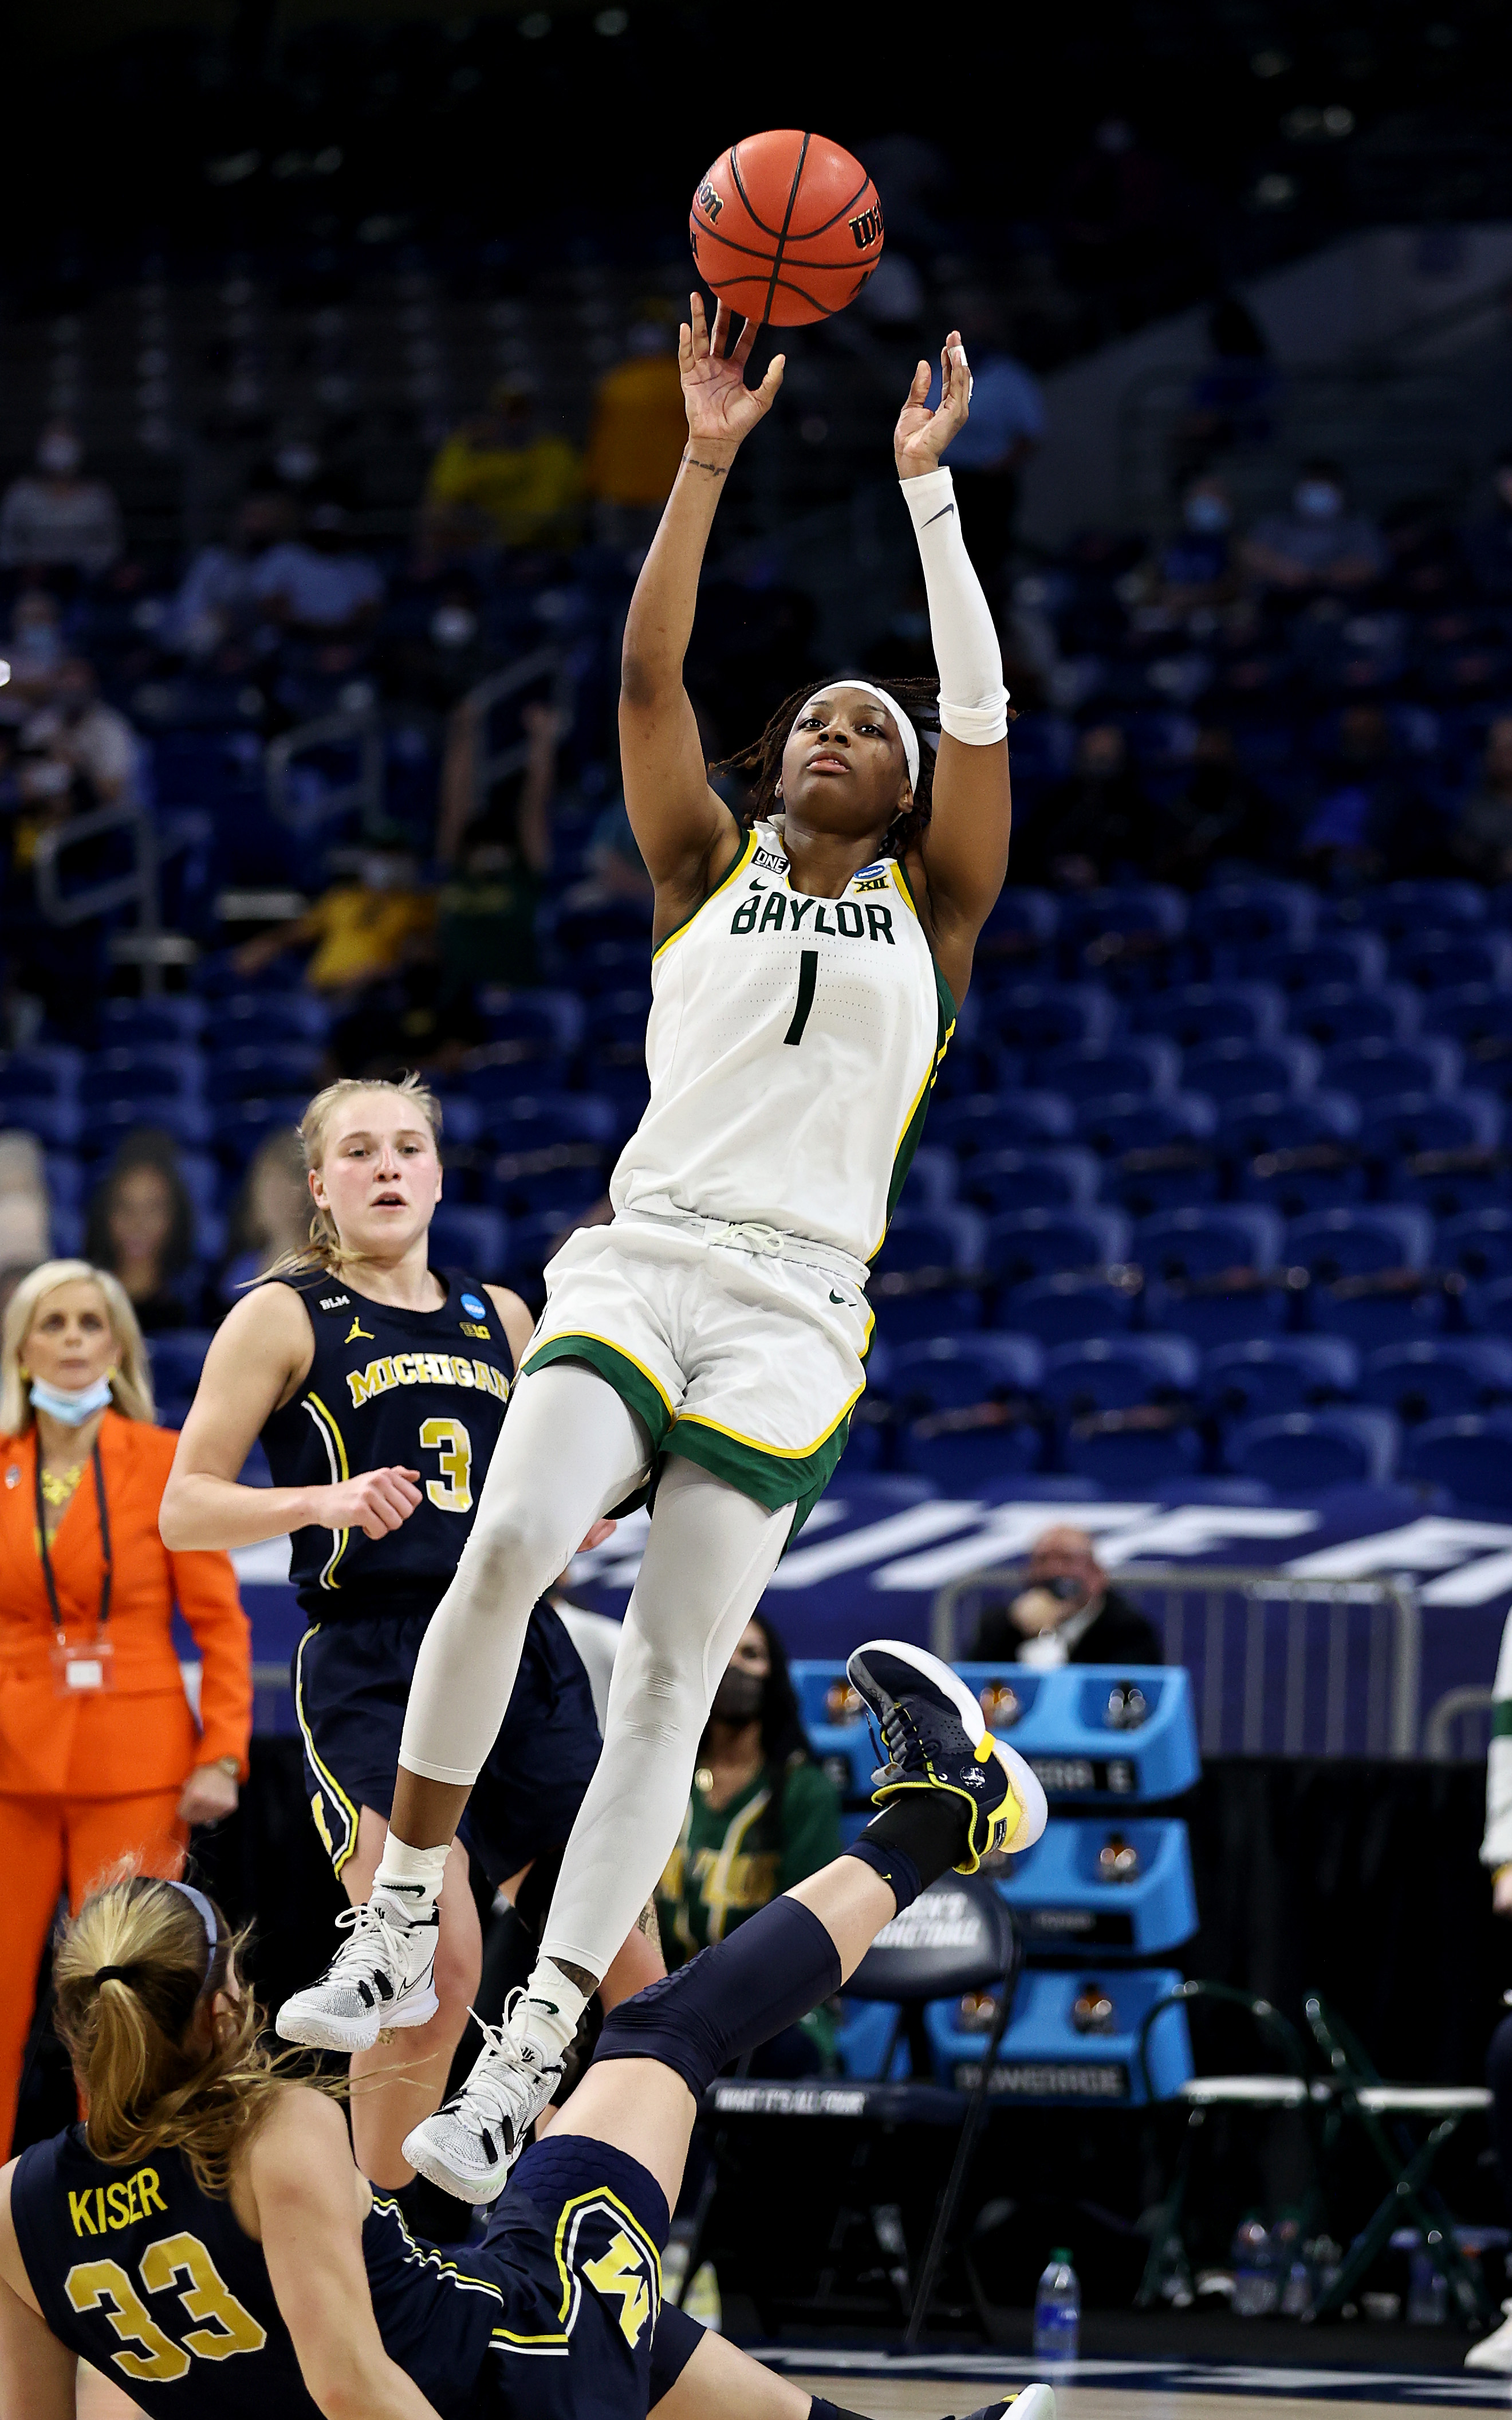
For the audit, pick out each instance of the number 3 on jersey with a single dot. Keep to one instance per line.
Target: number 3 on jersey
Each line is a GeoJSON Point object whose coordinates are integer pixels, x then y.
{"type": "Point", "coordinates": [452, 1492]}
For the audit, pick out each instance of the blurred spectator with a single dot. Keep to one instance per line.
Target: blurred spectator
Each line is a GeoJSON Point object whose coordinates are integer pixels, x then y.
{"type": "Point", "coordinates": [485, 914]}
{"type": "Point", "coordinates": [53, 519]}
{"type": "Point", "coordinates": [24, 1209]}
{"type": "Point", "coordinates": [1488, 540]}
{"type": "Point", "coordinates": [1371, 820]}
{"type": "Point", "coordinates": [1006, 424]}
{"type": "Point", "coordinates": [1123, 219]}
{"type": "Point", "coordinates": [218, 594]}
{"type": "Point", "coordinates": [500, 480]}
{"type": "Point", "coordinates": [285, 481]}
{"type": "Point", "coordinates": [1197, 567]}
{"type": "Point", "coordinates": [617, 869]}
{"type": "Point", "coordinates": [272, 1213]}
{"type": "Point", "coordinates": [1092, 822]}
{"type": "Point", "coordinates": [318, 585]}
{"type": "Point", "coordinates": [1065, 1613]}
{"type": "Point", "coordinates": [92, 746]}
{"type": "Point", "coordinates": [435, 668]}
{"type": "Point", "coordinates": [357, 931]}
{"type": "Point", "coordinates": [1230, 401]}
{"type": "Point", "coordinates": [141, 1228]}
{"type": "Point", "coordinates": [638, 432]}
{"type": "Point", "coordinates": [1218, 813]}
{"type": "Point", "coordinates": [34, 653]}
{"type": "Point", "coordinates": [1319, 544]}
{"type": "Point", "coordinates": [761, 1816]}
{"type": "Point", "coordinates": [1481, 841]}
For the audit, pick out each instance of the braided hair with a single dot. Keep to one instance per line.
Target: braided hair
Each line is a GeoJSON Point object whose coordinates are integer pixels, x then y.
{"type": "Point", "coordinates": [762, 762]}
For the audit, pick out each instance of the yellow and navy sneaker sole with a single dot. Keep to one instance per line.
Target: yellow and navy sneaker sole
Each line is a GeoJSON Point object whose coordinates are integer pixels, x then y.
{"type": "Point", "coordinates": [1018, 1818]}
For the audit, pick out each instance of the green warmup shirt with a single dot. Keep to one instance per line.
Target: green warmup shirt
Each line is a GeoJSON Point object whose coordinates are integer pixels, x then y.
{"type": "Point", "coordinates": [727, 1865]}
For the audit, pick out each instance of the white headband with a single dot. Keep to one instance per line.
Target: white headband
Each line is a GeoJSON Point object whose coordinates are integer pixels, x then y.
{"type": "Point", "coordinates": [906, 729]}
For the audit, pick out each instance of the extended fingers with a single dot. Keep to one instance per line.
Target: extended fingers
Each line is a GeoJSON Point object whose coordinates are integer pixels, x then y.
{"type": "Point", "coordinates": [740, 350]}
{"type": "Point", "coordinates": [700, 326]}
{"type": "Point", "coordinates": [767, 392]}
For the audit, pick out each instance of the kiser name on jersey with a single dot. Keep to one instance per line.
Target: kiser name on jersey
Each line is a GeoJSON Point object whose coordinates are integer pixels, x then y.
{"type": "Point", "coordinates": [424, 1370]}
{"type": "Point", "coordinates": [787, 910]}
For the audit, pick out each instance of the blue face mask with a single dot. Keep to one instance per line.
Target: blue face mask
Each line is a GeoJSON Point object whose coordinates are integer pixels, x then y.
{"type": "Point", "coordinates": [71, 1406]}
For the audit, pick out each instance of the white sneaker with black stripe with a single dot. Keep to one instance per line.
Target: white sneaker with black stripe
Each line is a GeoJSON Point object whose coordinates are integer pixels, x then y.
{"type": "Point", "coordinates": [474, 2140]}
{"type": "Point", "coordinates": [380, 1978]}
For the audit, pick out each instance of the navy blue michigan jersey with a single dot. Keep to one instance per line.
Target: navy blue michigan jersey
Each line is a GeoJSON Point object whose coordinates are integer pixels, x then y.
{"type": "Point", "coordinates": [424, 1389]}
{"type": "Point", "coordinates": [556, 2315]}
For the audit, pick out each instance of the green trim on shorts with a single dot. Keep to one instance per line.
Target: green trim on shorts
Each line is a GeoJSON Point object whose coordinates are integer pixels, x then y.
{"type": "Point", "coordinates": [772, 1479]}
{"type": "Point", "coordinates": [632, 1384]}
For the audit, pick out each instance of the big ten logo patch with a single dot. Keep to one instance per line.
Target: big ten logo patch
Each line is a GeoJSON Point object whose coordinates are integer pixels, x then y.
{"type": "Point", "coordinates": [601, 2244]}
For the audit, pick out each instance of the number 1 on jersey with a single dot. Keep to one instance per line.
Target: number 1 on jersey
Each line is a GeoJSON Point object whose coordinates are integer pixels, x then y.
{"type": "Point", "coordinates": [808, 976]}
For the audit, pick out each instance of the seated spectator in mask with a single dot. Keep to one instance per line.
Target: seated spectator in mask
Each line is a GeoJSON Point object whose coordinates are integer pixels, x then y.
{"type": "Point", "coordinates": [318, 586]}
{"type": "Point", "coordinates": [638, 437]}
{"type": "Point", "coordinates": [1481, 842]}
{"type": "Point", "coordinates": [1371, 820]}
{"type": "Point", "coordinates": [502, 480]}
{"type": "Point", "coordinates": [1487, 539]}
{"type": "Point", "coordinates": [1197, 567]}
{"type": "Point", "coordinates": [498, 859]}
{"type": "Point", "coordinates": [141, 1228]}
{"type": "Point", "coordinates": [1093, 822]}
{"type": "Point", "coordinates": [761, 1816]}
{"type": "Point", "coordinates": [218, 596]}
{"type": "Point", "coordinates": [35, 651]}
{"type": "Point", "coordinates": [1218, 813]}
{"type": "Point", "coordinates": [358, 931]}
{"type": "Point", "coordinates": [1065, 1613]}
{"type": "Point", "coordinates": [93, 746]}
{"type": "Point", "coordinates": [1319, 544]}
{"type": "Point", "coordinates": [53, 519]}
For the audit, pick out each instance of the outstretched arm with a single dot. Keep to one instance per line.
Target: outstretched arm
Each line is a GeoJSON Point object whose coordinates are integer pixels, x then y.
{"type": "Point", "coordinates": [964, 848]}
{"type": "Point", "coordinates": [678, 821]}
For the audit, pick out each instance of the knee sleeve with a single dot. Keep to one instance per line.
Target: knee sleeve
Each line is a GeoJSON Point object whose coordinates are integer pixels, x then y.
{"type": "Point", "coordinates": [730, 1999]}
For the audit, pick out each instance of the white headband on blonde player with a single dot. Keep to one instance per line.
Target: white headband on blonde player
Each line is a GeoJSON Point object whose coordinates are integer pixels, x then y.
{"type": "Point", "coordinates": [906, 729]}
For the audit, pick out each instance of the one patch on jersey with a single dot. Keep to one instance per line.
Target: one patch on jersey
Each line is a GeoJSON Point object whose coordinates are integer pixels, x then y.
{"type": "Point", "coordinates": [771, 864]}
{"type": "Point", "coordinates": [475, 1308]}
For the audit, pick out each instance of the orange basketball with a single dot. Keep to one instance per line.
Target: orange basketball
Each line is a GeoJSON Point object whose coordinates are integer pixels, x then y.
{"type": "Point", "coordinates": [786, 228]}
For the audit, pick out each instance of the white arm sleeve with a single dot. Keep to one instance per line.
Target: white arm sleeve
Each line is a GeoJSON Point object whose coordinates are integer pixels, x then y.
{"type": "Point", "coordinates": [973, 701]}
{"type": "Point", "coordinates": [1496, 1849]}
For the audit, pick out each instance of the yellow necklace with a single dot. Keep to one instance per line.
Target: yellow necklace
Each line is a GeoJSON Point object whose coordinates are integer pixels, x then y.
{"type": "Point", "coordinates": [58, 1486]}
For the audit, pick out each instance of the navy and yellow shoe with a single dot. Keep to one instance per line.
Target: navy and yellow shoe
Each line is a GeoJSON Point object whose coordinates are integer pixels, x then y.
{"type": "Point", "coordinates": [932, 1729]}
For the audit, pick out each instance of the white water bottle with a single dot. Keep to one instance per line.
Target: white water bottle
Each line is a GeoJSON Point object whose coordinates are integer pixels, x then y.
{"type": "Point", "coordinates": [1057, 2311]}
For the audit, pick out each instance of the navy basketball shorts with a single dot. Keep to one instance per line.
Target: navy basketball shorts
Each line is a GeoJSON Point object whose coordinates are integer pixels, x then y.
{"type": "Point", "coordinates": [574, 2250]}
{"type": "Point", "coordinates": [351, 1683]}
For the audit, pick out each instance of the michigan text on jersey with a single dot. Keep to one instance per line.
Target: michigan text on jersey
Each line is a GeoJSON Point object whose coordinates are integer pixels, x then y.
{"type": "Point", "coordinates": [424, 1370]}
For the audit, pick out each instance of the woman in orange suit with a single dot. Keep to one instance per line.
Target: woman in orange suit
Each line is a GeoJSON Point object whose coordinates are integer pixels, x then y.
{"type": "Point", "coordinates": [100, 1757]}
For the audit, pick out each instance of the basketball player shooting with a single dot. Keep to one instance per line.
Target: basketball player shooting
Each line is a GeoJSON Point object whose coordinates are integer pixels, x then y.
{"type": "Point", "coordinates": [809, 958]}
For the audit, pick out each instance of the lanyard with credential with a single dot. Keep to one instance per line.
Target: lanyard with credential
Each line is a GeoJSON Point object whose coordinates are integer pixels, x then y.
{"type": "Point", "coordinates": [87, 1669]}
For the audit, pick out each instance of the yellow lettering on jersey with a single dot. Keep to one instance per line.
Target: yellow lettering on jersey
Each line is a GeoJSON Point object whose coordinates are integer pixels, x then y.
{"type": "Point", "coordinates": [471, 1328]}
{"type": "Point", "coordinates": [374, 1380]}
{"type": "Point", "coordinates": [462, 1372]}
{"type": "Point", "coordinates": [404, 1369]}
{"type": "Point", "coordinates": [79, 2212]}
{"type": "Point", "coordinates": [118, 2205]}
{"type": "Point", "coordinates": [151, 2197]}
{"type": "Point", "coordinates": [877, 882]}
{"type": "Point", "coordinates": [622, 2270]}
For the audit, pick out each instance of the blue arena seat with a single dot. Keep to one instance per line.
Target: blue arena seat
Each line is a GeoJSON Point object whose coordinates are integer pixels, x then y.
{"type": "Point", "coordinates": [1437, 1378]}
{"type": "Point", "coordinates": [1358, 959]}
{"type": "Point", "coordinates": [171, 1017]}
{"type": "Point", "coordinates": [1090, 1071]}
{"type": "Point", "coordinates": [1133, 1452]}
{"type": "Point", "coordinates": [186, 1118]}
{"type": "Point", "coordinates": [1122, 1121]}
{"type": "Point", "coordinates": [1487, 1310]}
{"type": "Point", "coordinates": [156, 1071]}
{"type": "Point", "coordinates": [1479, 1019]}
{"type": "Point", "coordinates": [1266, 1375]}
{"type": "Point", "coordinates": [1480, 1244]}
{"type": "Point", "coordinates": [1023, 924]}
{"type": "Point", "coordinates": [1254, 910]}
{"type": "Point", "coordinates": [1192, 1014]}
{"type": "Point", "coordinates": [239, 1127]}
{"type": "Point", "coordinates": [178, 1356]}
{"type": "Point", "coordinates": [249, 1070]}
{"type": "Point", "coordinates": [1401, 907]}
{"type": "Point", "coordinates": [1025, 1244]}
{"type": "Point", "coordinates": [943, 1372]}
{"type": "Point", "coordinates": [1369, 1270]}
{"type": "Point", "coordinates": [1233, 1071]}
{"type": "Point", "coordinates": [1343, 1012]}
{"type": "Point", "coordinates": [1112, 1373]}
{"type": "Point", "coordinates": [1374, 1068]}
{"type": "Point", "coordinates": [924, 1281]}
{"type": "Point", "coordinates": [1067, 1305]}
{"type": "Point", "coordinates": [464, 1236]}
{"type": "Point", "coordinates": [1471, 1455]}
{"type": "Point", "coordinates": [1403, 1125]}
{"type": "Point", "coordinates": [993, 1120]}
{"type": "Point", "coordinates": [526, 1121]}
{"type": "Point", "coordinates": [967, 1407]}
{"type": "Point", "coordinates": [1446, 961]}
{"type": "Point", "coordinates": [1030, 1180]}
{"type": "Point", "coordinates": [1451, 1155]}
{"type": "Point", "coordinates": [1212, 1271]}
{"type": "Point", "coordinates": [1301, 1453]}
{"type": "Point", "coordinates": [1269, 1122]}
{"type": "Point", "coordinates": [1037, 1017]}
{"type": "Point", "coordinates": [265, 1016]}
{"type": "Point", "coordinates": [932, 1181]}
{"type": "Point", "coordinates": [545, 1024]}
{"type": "Point", "coordinates": [1174, 1162]}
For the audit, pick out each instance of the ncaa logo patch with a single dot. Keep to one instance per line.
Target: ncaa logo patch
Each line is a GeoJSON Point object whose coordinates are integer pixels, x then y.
{"type": "Point", "coordinates": [475, 1308]}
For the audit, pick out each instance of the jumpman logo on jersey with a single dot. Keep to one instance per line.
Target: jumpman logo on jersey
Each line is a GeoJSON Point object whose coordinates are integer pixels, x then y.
{"type": "Point", "coordinates": [356, 1331]}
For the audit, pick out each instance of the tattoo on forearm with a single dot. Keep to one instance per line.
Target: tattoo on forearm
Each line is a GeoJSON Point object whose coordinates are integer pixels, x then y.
{"type": "Point", "coordinates": [717, 468]}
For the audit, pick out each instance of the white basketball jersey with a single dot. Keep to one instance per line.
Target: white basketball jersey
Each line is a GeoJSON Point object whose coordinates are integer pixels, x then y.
{"type": "Point", "coordinates": [791, 1045]}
